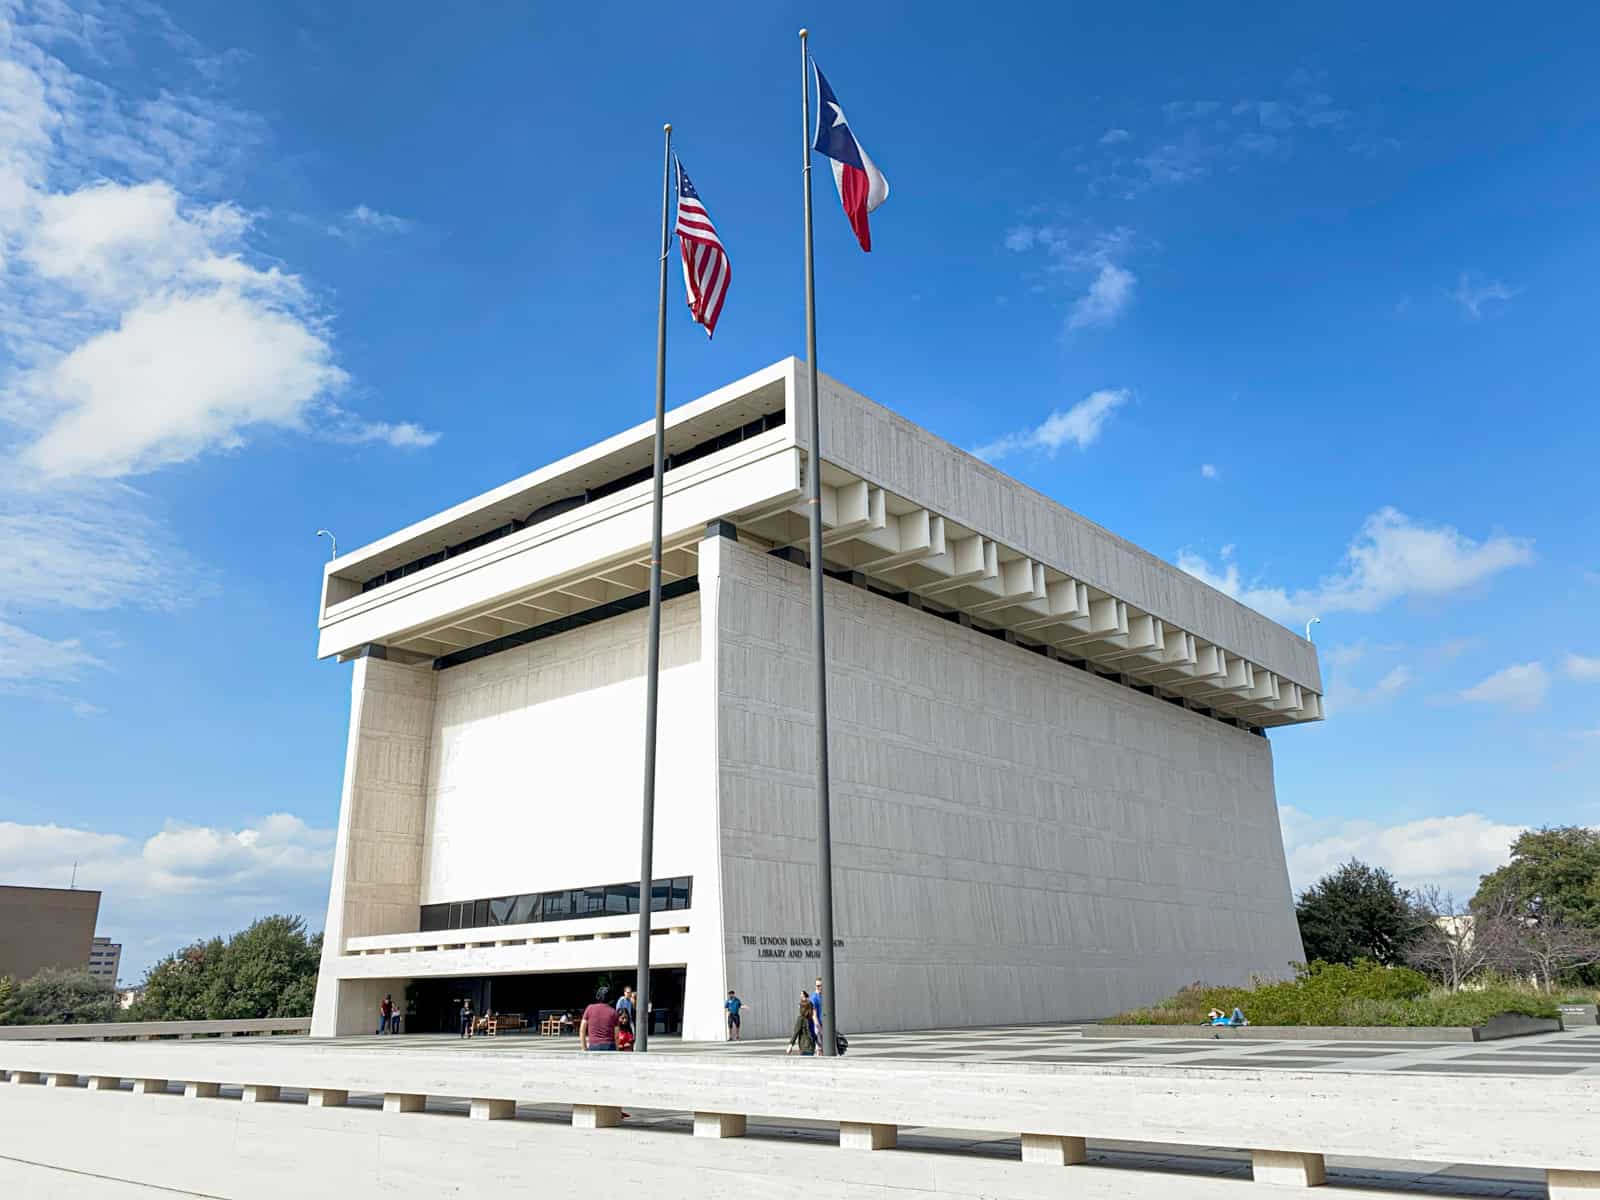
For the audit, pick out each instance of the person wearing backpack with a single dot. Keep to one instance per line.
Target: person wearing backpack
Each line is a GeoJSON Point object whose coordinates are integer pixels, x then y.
{"type": "Point", "coordinates": [802, 1038]}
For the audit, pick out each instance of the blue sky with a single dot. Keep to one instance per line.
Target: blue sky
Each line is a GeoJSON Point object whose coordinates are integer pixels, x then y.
{"type": "Point", "coordinates": [1303, 302]}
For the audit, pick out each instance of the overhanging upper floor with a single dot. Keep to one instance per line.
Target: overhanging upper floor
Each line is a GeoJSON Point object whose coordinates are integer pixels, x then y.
{"type": "Point", "coordinates": [904, 512]}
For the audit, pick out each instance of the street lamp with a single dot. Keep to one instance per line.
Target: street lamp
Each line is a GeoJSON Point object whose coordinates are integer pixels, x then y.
{"type": "Point", "coordinates": [1309, 624]}
{"type": "Point", "coordinates": [333, 543]}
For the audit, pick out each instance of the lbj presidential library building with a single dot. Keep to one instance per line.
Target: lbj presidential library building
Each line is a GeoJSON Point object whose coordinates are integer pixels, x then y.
{"type": "Point", "coordinates": [1052, 782]}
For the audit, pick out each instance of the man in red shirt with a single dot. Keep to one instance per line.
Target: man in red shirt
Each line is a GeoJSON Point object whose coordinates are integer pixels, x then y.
{"type": "Point", "coordinates": [597, 1029]}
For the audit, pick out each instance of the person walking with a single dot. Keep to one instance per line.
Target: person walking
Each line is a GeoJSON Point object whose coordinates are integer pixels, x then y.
{"type": "Point", "coordinates": [466, 1017]}
{"type": "Point", "coordinates": [816, 1013]}
{"type": "Point", "coordinates": [733, 1005]}
{"type": "Point", "coordinates": [597, 1030]}
{"type": "Point", "coordinates": [386, 1014]}
{"type": "Point", "coordinates": [626, 1004]}
{"type": "Point", "coordinates": [802, 1038]}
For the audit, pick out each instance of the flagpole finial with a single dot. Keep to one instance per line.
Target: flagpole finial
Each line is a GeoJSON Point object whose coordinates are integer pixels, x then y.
{"type": "Point", "coordinates": [804, 33]}
{"type": "Point", "coordinates": [667, 128]}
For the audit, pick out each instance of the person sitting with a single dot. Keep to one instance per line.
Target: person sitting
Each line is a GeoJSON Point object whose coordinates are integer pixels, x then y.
{"type": "Point", "coordinates": [623, 1034]}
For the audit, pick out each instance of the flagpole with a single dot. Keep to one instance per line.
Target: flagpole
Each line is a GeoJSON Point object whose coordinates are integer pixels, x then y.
{"type": "Point", "coordinates": [819, 641]}
{"type": "Point", "coordinates": [647, 831]}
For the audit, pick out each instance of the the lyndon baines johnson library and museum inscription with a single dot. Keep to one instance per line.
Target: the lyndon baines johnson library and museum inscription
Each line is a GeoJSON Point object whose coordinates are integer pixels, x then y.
{"type": "Point", "coordinates": [1052, 797]}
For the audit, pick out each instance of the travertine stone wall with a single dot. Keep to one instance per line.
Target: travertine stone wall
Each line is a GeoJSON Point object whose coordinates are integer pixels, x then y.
{"type": "Point", "coordinates": [377, 866]}
{"type": "Point", "coordinates": [1014, 840]}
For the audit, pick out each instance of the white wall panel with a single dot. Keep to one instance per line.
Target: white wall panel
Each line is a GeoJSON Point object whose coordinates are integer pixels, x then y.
{"type": "Point", "coordinates": [536, 762]}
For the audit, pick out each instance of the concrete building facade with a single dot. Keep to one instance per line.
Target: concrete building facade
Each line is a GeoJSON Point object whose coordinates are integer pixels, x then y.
{"type": "Point", "coordinates": [45, 927]}
{"type": "Point", "coordinates": [1053, 792]}
{"type": "Point", "coordinates": [105, 959]}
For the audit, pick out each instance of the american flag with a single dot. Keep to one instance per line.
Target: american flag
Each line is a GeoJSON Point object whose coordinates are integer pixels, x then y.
{"type": "Point", "coordinates": [706, 271]}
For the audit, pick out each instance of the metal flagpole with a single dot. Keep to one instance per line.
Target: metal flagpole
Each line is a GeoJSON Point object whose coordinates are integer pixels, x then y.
{"type": "Point", "coordinates": [647, 831]}
{"type": "Point", "coordinates": [819, 642]}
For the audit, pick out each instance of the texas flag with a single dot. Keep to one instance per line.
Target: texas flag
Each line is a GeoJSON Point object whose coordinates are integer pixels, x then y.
{"type": "Point", "coordinates": [862, 186]}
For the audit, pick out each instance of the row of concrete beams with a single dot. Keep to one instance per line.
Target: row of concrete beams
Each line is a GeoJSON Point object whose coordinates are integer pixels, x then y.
{"type": "Point", "coordinates": [552, 601]}
{"type": "Point", "coordinates": [919, 551]}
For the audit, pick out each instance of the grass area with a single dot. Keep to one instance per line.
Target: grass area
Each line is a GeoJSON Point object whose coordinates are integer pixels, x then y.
{"type": "Point", "coordinates": [1334, 994]}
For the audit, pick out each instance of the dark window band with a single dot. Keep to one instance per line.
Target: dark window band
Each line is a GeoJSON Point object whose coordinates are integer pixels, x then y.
{"type": "Point", "coordinates": [612, 899]}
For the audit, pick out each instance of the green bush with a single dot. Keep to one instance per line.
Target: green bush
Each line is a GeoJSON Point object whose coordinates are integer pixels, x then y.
{"type": "Point", "coordinates": [1364, 993]}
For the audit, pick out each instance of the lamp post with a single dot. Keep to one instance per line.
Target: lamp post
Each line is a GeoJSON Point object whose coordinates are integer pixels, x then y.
{"type": "Point", "coordinates": [1309, 624]}
{"type": "Point", "coordinates": [333, 542]}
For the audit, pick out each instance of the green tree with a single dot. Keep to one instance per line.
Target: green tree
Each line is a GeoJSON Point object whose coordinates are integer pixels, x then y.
{"type": "Point", "coordinates": [1553, 875]}
{"type": "Point", "coordinates": [175, 988]}
{"type": "Point", "coordinates": [8, 1000]}
{"type": "Point", "coordinates": [267, 970]}
{"type": "Point", "coordinates": [1357, 912]}
{"type": "Point", "coordinates": [54, 996]}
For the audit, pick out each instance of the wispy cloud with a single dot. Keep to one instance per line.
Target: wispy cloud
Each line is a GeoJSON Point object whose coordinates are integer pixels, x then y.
{"type": "Point", "coordinates": [1391, 557]}
{"type": "Point", "coordinates": [1078, 426]}
{"type": "Point", "coordinates": [1071, 256]}
{"type": "Point", "coordinates": [363, 220]}
{"type": "Point", "coordinates": [1342, 698]}
{"type": "Point", "coordinates": [1581, 669]}
{"type": "Point", "coordinates": [1199, 137]}
{"type": "Point", "coordinates": [405, 435]}
{"type": "Point", "coordinates": [1108, 297]}
{"type": "Point", "coordinates": [27, 656]}
{"type": "Point", "coordinates": [1474, 294]}
{"type": "Point", "coordinates": [1520, 688]}
{"type": "Point", "coordinates": [1209, 471]}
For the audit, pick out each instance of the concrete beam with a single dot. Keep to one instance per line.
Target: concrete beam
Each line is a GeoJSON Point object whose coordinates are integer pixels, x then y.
{"type": "Point", "coordinates": [403, 1102]}
{"type": "Point", "coordinates": [596, 1116]}
{"type": "Point", "coordinates": [1284, 1168]}
{"type": "Point", "coordinates": [1054, 1150]}
{"type": "Point", "coordinates": [483, 1109]}
{"type": "Point", "coordinates": [719, 1125]}
{"type": "Point", "coordinates": [855, 1135]}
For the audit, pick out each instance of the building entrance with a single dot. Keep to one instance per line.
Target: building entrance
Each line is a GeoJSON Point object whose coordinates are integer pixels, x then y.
{"type": "Point", "coordinates": [433, 1005]}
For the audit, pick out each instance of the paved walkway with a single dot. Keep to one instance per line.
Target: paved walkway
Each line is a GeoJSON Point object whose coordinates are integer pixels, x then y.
{"type": "Point", "coordinates": [1575, 1052]}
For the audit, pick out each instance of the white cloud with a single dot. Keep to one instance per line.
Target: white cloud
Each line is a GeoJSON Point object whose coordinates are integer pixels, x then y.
{"type": "Point", "coordinates": [182, 374]}
{"type": "Point", "coordinates": [1449, 852]}
{"type": "Point", "coordinates": [139, 326]}
{"type": "Point", "coordinates": [405, 435]}
{"type": "Point", "coordinates": [1107, 299]}
{"type": "Point", "coordinates": [1581, 669]}
{"type": "Point", "coordinates": [1079, 425]}
{"type": "Point", "coordinates": [1473, 294]}
{"type": "Point", "coordinates": [1391, 557]}
{"type": "Point", "coordinates": [1209, 471]}
{"type": "Point", "coordinates": [182, 882]}
{"type": "Point", "coordinates": [1520, 688]}
{"type": "Point", "coordinates": [142, 328]}
{"type": "Point", "coordinates": [362, 219]}
{"type": "Point", "coordinates": [1113, 137]}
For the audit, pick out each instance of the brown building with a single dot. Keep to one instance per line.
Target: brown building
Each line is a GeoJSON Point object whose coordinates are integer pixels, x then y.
{"type": "Point", "coordinates": [45, 927]}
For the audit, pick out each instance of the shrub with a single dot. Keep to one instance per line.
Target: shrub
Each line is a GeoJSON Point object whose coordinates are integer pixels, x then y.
{"type": "Point", "coordinates": [1364, 993]}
